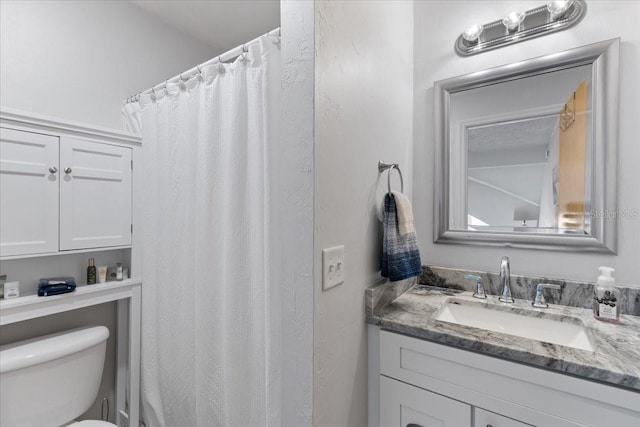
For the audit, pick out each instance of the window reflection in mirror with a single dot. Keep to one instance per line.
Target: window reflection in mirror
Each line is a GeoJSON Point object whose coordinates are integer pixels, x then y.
{"type": "Point", "coordinates": [527, 144]}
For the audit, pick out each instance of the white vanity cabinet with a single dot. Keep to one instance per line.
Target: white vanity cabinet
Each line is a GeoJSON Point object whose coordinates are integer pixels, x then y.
{"type": "Point", "coordinates": [419, 383]}
{"type": "Point", "coordinates": [61, 192]}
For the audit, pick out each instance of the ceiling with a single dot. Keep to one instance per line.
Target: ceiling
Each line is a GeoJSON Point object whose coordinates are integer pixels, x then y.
{"type": "Point", "coordinates": [535, 131]}
{"type": "Point", "coordinates": [221, 24]}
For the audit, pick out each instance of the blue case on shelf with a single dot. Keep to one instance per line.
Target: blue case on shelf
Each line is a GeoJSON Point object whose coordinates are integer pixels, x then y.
{"type": "Point", "coordinates": [56, 286]}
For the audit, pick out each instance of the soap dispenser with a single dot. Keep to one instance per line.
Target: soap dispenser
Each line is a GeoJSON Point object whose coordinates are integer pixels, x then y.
{"type": "Point", "coordinates": [606, 297]}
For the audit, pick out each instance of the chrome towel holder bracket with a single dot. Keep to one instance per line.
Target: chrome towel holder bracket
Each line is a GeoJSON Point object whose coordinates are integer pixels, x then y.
{"type": "Point", "coordinates": [382, 166]}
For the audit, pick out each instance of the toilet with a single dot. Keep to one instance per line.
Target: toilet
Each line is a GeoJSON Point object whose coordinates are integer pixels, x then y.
{"type": "Point", "coordinates": [51, 380]}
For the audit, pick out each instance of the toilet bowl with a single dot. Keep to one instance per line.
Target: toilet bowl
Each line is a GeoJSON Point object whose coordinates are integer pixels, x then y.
{"type": "Point", "coordinates": [91, 423]}
{"type": "Point", "coordinates": [51, 380]}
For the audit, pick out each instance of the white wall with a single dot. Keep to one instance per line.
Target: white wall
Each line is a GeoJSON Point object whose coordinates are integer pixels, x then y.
{"type": "Point", "coordinates": [363, 113]}
{"type": "Point", "coordinates": [437, 24]}
{"type": "Point", "coordinates": [79, 60]}
{"type": "Point", "coordinates": [493, 199]}
{"type": "Point", "coordinates": [296, 19]}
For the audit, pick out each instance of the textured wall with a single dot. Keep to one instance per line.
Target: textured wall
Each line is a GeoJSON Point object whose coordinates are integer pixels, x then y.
{"type": "Point", "coordinates": [437, 24]}
{"type": "Point", "coordinates": [363, 113]}
{"type": "Point", "coordinates": [297, 211]}
{"type": "Point", "coordinates": [79, 60]}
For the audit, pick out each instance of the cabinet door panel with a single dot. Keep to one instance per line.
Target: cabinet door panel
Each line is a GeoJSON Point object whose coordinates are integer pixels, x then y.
{"type": "Point", "coordinates": [403, 405]}
{"type": "Point", "coordinates": [485, 418]}
{"type": "Point", "coordinates": [95, 195]}
{"type": "Point", "coordinates": [28, 193]}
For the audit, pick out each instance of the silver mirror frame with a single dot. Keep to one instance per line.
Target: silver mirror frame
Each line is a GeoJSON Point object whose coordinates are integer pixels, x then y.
{"type": "Point", "coordinates": [604, 57]}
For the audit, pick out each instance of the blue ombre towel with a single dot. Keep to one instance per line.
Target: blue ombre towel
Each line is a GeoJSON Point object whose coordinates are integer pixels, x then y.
{"type": "Point", "coordinates": [400, 254]}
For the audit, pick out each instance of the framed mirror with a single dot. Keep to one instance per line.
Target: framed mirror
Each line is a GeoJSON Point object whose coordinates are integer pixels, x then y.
{"type": "Point", "coordinates": [526, 153]}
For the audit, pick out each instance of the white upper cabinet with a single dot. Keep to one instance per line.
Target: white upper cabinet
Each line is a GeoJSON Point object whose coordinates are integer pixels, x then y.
{"type": "Point", "coordinates": [29, 179]}
{"type": "Point", "coordinates": [63, 186]}
{"type": "Point", "coordinates": [95, 194]}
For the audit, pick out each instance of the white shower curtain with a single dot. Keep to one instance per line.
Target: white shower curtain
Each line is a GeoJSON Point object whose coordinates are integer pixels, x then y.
{"type": "Point", "coordinates": [210, 308]}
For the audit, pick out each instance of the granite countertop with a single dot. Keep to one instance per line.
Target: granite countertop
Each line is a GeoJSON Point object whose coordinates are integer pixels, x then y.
{"type": "Point", "coordinates": [411, 309]}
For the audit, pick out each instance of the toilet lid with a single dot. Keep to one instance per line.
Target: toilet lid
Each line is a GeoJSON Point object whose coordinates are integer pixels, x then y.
{"type": "Point", "coordinates": [92, 423]}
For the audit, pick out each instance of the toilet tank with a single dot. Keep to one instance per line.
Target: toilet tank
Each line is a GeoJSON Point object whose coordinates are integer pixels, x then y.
{"type": "Point", "coordinates": [51, 380]}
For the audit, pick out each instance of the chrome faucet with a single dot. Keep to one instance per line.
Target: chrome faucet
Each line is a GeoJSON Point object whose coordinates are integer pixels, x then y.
{"type": "Point", "coordinates": [539, 299]}
{"type": "Point", "coordinates": [505, 275]}
{"type": "Point", "coordinates": [479, 293]}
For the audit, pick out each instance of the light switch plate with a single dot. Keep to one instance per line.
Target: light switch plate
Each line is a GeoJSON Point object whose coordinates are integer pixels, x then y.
{"type": "Point", "coordinates": [332, 267]}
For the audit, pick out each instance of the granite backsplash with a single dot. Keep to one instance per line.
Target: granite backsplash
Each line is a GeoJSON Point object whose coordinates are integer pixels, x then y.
{"type": "Point", "coordinates": [573, 294]}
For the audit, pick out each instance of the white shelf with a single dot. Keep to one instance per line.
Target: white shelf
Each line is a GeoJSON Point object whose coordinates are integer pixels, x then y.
{"type": "Point", "coordinates": [70, 252]}
{"type": "Point", "coordinates": [32, 306]}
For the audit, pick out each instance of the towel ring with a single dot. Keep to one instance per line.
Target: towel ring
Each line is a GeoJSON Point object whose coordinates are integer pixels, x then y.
{"type": "Point", "coordinates": [382, 166]}
{"type": "Point", "coordinates": [389, 178]}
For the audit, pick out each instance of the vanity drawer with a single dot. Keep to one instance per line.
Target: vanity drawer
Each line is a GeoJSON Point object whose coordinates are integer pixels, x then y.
{"type": "Point", "coordinates": [532, 395]}
{"type": "Point", "coordinates": [402, 405]}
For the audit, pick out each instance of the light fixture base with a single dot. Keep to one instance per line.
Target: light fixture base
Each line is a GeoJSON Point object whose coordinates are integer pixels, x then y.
{"type": "Point", "coordinates": [537, 22]}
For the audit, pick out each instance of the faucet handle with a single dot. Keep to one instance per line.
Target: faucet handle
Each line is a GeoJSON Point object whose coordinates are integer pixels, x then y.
{"type": "Point", "coordinates": [539, 299]}
{"type": "Point", "coordinates": [479, 293]}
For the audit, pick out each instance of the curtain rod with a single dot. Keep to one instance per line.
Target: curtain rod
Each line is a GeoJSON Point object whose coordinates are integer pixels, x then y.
{"type": "Point", "coordinates": [186, 75]}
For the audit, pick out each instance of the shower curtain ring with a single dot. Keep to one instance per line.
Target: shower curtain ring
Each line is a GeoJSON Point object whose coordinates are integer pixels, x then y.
{"type": "Point", "coordinates": [244, 48]}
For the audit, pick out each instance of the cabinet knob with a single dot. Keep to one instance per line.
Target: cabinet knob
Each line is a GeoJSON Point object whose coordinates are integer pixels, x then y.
{"type": "Point", "coordinates": [53, 169]}
{"type": "Point", "coordinates": [67, 170]}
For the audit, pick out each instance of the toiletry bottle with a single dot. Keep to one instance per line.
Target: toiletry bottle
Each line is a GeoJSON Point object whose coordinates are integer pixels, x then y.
{"type": "Point", "coordinates": [119, 271]}
{"type": "Point", "coordinates": [91, 272]}
{"type": "Point", "coordinates": [102, 274]}
{"type": "Point", "coordinates": [606, 297]}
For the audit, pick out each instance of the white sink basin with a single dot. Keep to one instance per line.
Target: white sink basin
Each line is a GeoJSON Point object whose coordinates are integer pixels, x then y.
{"type": "Point", "coordinates": [493, 319]}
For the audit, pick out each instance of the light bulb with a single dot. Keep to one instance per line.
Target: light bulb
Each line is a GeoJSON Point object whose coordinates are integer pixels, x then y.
{"type": "Point", "coordinates": [513, 20]}
{"type": "Point", "coordinates": [472, 33]}
{"type": "Point", "coordinates": [558, 8]}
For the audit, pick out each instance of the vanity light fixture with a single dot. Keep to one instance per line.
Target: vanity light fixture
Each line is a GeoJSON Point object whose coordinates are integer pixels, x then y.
{"type": "Point", "coordinates": [519, 26]}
